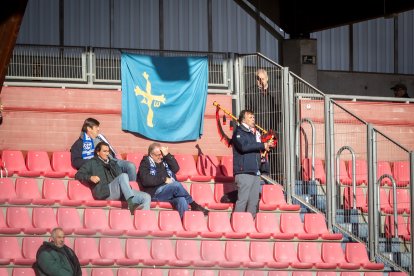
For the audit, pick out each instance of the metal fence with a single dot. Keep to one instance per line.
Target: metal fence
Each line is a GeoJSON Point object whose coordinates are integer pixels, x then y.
{"type": "Point", "coordinates": [97, 66]}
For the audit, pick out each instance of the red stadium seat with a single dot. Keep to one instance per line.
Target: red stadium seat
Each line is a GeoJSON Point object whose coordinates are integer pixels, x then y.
{"type": "Point", "coordinates": [285, 252]}
{"type": "Point", "coordinates": [269, 223]}
{"type": "Point", "coordinates": [18, 217]}
{"type": "Point", "coordinates": [151, 272]}
{"type": "Point", "coordinates": [327, 273]}
{"type": "Point", "coordinates": [310, 253]}
{"type": "Point", "coordinates": [8, 191]}
{"type": "Point", "coordinates": [195, 221]}
{"type": "Point", "coordinates": [44, 218]}
{"type": "Point", "coordinates": [210, 165]}
{"type": "Point", "coordinates": [170, 221]}
{"type": "Point", "coordinates": [30, 245]}
{"type": "Point", "coordinates": [188, 250]}
{"type": "Point", "coordinates": [226, 166]}
{"type": "Point", "coordinates": [23, 271]}
{"type": "Point", "coordinates": [87, 252]}
{"type": "Point", "coordinates": [292, 223]}
{"type": "Point", "coordinates": [403, 200]}
{"type": "Point", "coordinates": [219, 222]}
{"type": "Point", "coordinates": [4, 272]}
{"type": "Point", "coordinates": [54, 189]}
{"type": "Point", "coordinates": [343, 176]}
{"type": "Point", "coordinates": [5, 229]}
{"type": "Point", "coordinates": [95, 220]}
{"type": "Point", "coordinates": [361, 199]}
{"type": "Point", "coordinates": [120, 219]}
{"type": "Point", "coordinates": [314, 223]}
{"type": "Point", "coordinates": [163, 251]}
{"type": "Point", "coordinates": [143, 254]}
{"type": "Point", "coordinates": [332, 252]}
{"type": "Point", "coordinates": [110, 248]}
{"type": "Point", "coordinates": [61, 162]}
{"type": "Point", "coordinates": [400, 171]}
{"type": "Point", "coordinates": [135, 157]}
{"type": "Point", "coordinates": [357, 253]}
{"type": "Point", "coordinates": [219, 190]}
{"type": "Point", "coordinates": [273, 197]}
{"type": "Point", "coordinates": [179, 272]}
{"type": "Point", "coordinates": [361, 171]}
{"type": "Point", "coordinates": [69, 220]}
{"type": "Point", "coordinates": [384, 167]}
{"type": "Point", "coordinates": [238, 251]}
{"type": "Point", "coordinates": [278, 273]}
{"type": "Point", "coordinates": [79, 191]}
{"type": "Point", "coordinates": [127, 271]}
{"type": "Point", "coordinates": [319, 170]}
{"type": "Point", "coordinates": [212, 250]}
{"type": "Point", "coordinates": [229, 273]}
{"type": "Point", "coordinates": [263, 252]}
{"type": "Point", "coordinates": [146, 223]}
{"type": "Point", "coordinates": [9, 250]}
{"type": "Point", "coordinates": [27, 189]}
{"type": "Point", "coordinates": [302, 273]}
{"type": "Point", "coordinates": [203, 195]}
{"type": "Point", "coordinates": [39, 161]}
{"type": "Point", "coordinates": [188, 169]}
{"type": "Point", "coordinates": [102, 271]}
{"type": "Point", "coordinates": [402, 227]}
{"type": "Point", "coordinates": [200, 272]}
{"type": "Point", "coordinates": [15, 164]}
{"type": "Point", "coordinates": [243, 222]}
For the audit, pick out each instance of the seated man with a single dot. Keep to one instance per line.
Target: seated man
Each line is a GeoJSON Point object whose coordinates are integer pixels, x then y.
{"type": "Point", "coordinates": [83, 148]}
{"type": "Point", "coordinates": [54, 258]}
{"type": "Point", "coordinates": [156, 174]}
{"type": "Point", "coordinates": [109, 182]}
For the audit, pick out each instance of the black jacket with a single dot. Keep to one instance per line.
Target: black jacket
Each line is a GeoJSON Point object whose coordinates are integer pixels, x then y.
{"type": "Point", "coordinates": [106, 172]}
{"type": "Point", "coordinates": [150, 182]}
{"type": "Point", "coordinates": [56, 261]}
{"type": "Point", "coordinates": [246, 151]}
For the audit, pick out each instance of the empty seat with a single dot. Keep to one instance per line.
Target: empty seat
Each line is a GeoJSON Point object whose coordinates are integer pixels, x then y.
{"type": "Point", "coordinates": [39, 161]}
{"type": "Point", "coordinates": [95, 220]}
{"type": "Point", "coordinates": [188, 169]}
{"type": "Point", "coordinates": [163, 251]}
{"type": "Point", "coordinates": [9, 250]}
{"type": "Point", "coordinates": [251, 272]}
{"type": "Point", "coordinates": [151, 272]}
{"type": "Point", "coordinates": [219, 190]}
{"type": "Point", "coordinates": [269, 223]}
{"type": "Point", "coordinates": [310, 253]}
{"type": "Point", "coordinates": [102, 271]}
{"type": "Point", "coordinates": [357, 253]}
{"type": "Point", "coordinates": [292, 223]}
{"type": "Point", "coordinates": [332, 252]}
{"type": "Point", "coordinates": [273, 198]}
{"type": "Point", "coordinates": [314, 223]}
{"type": "Point", "coordinates": [403, 200]}
{"type": "Point", "coordinates": [210, 165]}
{"type": "Point", "coordinates": [44, 218]}
{"type": "Point", "coordinates": [203, 195]}
{"type": "Point", "coordinates": [188, 250]}
{"type": "Point", "coordinates": [278, 273]}
{"type": "Point", "coordinates": [285, 252]}
{"type": "Point", "coordinates": [135, 157]}
{"type": "Point", "coordinates": [263, 252]}
{"type": "Point", "coordinates": [87, 252]}
{"type": "Point", "coordinates": [242, 222]}
{"type": "Point", "coordinates": [23, 271]}
{"type": "Point", "coordinates": [361, 171]}
{"type": "Point", "coordinates": [229, 273]}
{"type": "Point", "coordinates": [128, 271]}
{"type": "Point", "coordinates": [69, 220]}
{"type": "Point", "coordinates": [120, 219]}
{"type": "Point", "coordinates": [110, 248]}
{"type": "Point", "coordinates": [7, 189]}
{"type": "Point", "coordinates": [384, 167]}
{"type": "Point", "coordinates": [15, 164]}
{"type": "Point", "coordinates": [201, 272]}
{"type": "Point", "coordinates": [238, 251]}
{"type": "Point", "coordinates": [143, 254]}
{"type": "Point", "coordinates": [219, 222]}
{"type": "Point", "coordinates": [54, 189]}
{"type": "Point", "coordinates": [343, 175]}
{"type": "Point", "coordinates": [146, 223]}
{"type": "Point", "coordinates": [195, 221]}
{"type": "Point", "coordinates": [30, 245]}
{"type": "Point", "coordinates": [402, 227]}
{"type": "Point", "coordinates": [360, 197]}
{"type": "Point", "coordinates": [179, 272]}
{"type": "Point", "coordinates": [212, 250]}
{"type": "Point", "coordinates": [171, 221]}
{"type": "Point", "coordinates": [401, 173]}
{"type": "Point", "coordinates": [302, 273]}
{"type": "Point", "coordinates": [18, 217]}
{"type": "Point", "coordinates": [4, 272]}
{"type": "Point", "coordinates": [318, 170]}
{"type": "Point", "coordinates": [79, 191]}
{"type": "Point", "coordinates": [226, 166]}
{"type": "Point", "coordinates": [61, 162]}
{"type": "Point", "coordinates": [5, 229]}
{"type": "Point", "coordinates": [28, 191]}
{"type": "Point", "coordinates": [327, 273]}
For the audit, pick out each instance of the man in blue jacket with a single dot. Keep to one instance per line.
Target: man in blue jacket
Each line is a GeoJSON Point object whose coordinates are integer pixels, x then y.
{"type": "Point", "coordinates": [247, 161]}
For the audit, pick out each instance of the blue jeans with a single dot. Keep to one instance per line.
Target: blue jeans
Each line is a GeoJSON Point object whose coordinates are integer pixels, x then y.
{"type": "Point", "coordinates": [128, 168]}
{"type": "Point", "coordinates": [120, 186]}
{"type": "Point", "coordinates": [176, 194]}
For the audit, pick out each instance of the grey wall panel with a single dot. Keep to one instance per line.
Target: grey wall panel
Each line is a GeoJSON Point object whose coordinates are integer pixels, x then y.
{"type": "Point", "coordinates": [233, 29]}
{"type": "Point", "coordinates": [87, 23]}
{"type": "Point", "coordinates": [40, 23]}
{"type": "Point", "coordinates": [136, 24]}
{"type": "Point", "coordinates": [333, 48]}
{"type": "Point", "coordinates": [269, 45]}
{"type": "Point", "coordinates": [185, 25]}
{"type": "Point", "coordinates": [406, 43]}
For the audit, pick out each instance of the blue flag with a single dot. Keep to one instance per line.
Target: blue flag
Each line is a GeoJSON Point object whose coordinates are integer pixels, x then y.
{"type": "Point", "coordinates": [164, 98]}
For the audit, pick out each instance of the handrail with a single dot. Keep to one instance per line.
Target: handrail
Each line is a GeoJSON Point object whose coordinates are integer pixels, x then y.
{"type": "Point", "coordinates": [394, 197]}
{"type": "Point", "coordinates": [353, 171]}
{"type": "Point", "coordinates": [312, 144]}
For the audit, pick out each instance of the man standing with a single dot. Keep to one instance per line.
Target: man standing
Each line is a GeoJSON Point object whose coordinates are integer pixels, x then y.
{"type": "Point", "coordinates": [54, 258]}
{"type": "Point", "coordinates": [109, 182]}
{"type": "Point", "coordinates": [157, 176]}
{"type": "Point", "coordinates": [83, 148]}
{"type": "Point", "coordinates": [246, 162]}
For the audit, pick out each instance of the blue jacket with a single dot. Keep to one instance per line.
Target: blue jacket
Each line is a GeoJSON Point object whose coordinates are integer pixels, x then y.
{"type": "Point", "coordinates": [246, 151]}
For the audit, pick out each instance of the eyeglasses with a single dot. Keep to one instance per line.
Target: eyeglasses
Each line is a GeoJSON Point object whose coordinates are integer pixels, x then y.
{"type": "Point", "coordinates": [156, 154]}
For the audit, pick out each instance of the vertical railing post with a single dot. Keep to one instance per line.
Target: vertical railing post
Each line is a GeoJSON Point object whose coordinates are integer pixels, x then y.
{"type": "Point", "coordinates": [372, 192]}
{"type": "Point", "coordinates": [412, 204]}
{"type": "Point", "coordinates": [329, 138]}
{"type": "Point", "coordinates": [289, 135]}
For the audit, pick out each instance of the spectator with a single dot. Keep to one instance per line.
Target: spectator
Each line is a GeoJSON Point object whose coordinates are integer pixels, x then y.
{"type": "Point", "coordinates": [54, 258]}
{"type": "Point", "coordinates": [83, 148]}
{"type": "Point", "coordinates": [156, 174]}
{"type": "Point", "coordinates": [109, 182]}
{"type": "Point", "coordinates": [400, 90]}
{"type": "Point", "coordinates": [246, 162]}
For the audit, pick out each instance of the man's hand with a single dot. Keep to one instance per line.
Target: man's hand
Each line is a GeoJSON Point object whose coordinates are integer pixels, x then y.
{"type": "Point", "coordinates": [95, 179]}
{"type": "Point", "coordinates": [168, 180]}
{"type": "Point", "coordinates": [164, 150]}
{"type": "Point", "coordinates": [267, 145]}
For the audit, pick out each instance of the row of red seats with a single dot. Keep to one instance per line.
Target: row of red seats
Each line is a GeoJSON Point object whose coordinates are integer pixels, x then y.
{"type": "Point", "coordinates": [386, 200]}
{"type": "Point", "coordinates": [37, 163]}
{"type": "Point", "coordinates": [400, 170]}
{"type": "Point", "coordinates": [103, 271]}
{"type": "Point", "coordinates": [25, 191]}
{"type": "Point", "coordinates": [207, 253]}
{"type": "Point", "coordinates": [92, 221]}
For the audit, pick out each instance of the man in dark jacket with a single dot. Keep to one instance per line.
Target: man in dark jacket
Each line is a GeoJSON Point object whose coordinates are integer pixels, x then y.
{"type": "Point", "coordinates": [246, 162]}
{"type": "Point", "coordinates": [83, 148]}
{"type": "Point", "coordinates": [109, 182]}
{"type": "Point", "coordinates": [54, 258]}
{"type": "Point", "coordinates": [156, 174]}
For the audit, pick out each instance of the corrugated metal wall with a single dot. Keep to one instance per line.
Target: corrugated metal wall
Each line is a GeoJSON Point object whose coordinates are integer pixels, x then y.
{"type": "Point", "coordinates": [136, 24]}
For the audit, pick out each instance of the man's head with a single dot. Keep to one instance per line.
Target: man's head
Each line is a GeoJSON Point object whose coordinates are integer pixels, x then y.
{"type": "Point", "coordinates": [154, 151]}
{"type": "Point", "coordinates": [262, 79]}
{"type": "Point", "coordinates": [102, 150]}
{"type": "Point", "coordinates": [247, 116]}
{"type": "Point", "coordinates": [58, 237]}
{"type": "Point", "coordinates": [400, 90]}
{"type": "Point", "coordinates": [91, 127]}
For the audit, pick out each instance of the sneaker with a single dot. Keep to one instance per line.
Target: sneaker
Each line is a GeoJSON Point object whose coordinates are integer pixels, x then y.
{"type": "Point", "coordinates": [197, 207]}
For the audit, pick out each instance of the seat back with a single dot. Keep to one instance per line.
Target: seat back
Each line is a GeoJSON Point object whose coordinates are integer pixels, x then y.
{"type": "Point", "coordinates": [23, 271]}
{"type": "Point", "coordinates": [273, 194]}
{"type": "Point", "coordinates": [261, 252]}
{"type": "Point", "coordinates": [26, 188]}
{"type": "Point", "coordinates": [128, 271]}
{"type": "Point", "coordinates": [194, 221]}
{"type": "Point", "coordinates": [187, 164]}
{"type": "Point", "coordinates": [38, 161]}
{"type": "Point", "coordinates": [9, 250]}
{"type": "Point", "coordinates": [18, 217]}
{"type": "Point", "coordinates": [332, 252]}
{"type": "Point", "coordinates": [187, 250]}
{"type": "Point", "coordinates": [44, 218]}
{"type": "Point", "coordinates": [86, 250]}
{"type": "Point", "coordinates": [202, 193]}
{"type": "Point", "coordinates": [146, 220]}
{"type": "Point", "coordinates": [79, 191]}
{"type": "Point", "coordinates": [315, 223]}
{"type": "Point", "coordinates": [226, 165]}
{"type": "Point", "coordinates": [30, 245]}
{"type": "Point", "coordinates": [162, 250]}
{"type": "Point", "coordinates": [110, 248]}
{"type": "Point", "coordinates": [219, 222]}
{"type": "Point", "coordinates": [14, 161]}
{"type": "Point", "coordinates": [170, 221]}
{"type": "Point", "coordinates": [135, 157]}
{"type": "Point", "coordinates": [401, 171]}
{"type": "Point", "coordinates": [7, 190]}
{"type": "Point", "coordinates": [131, 251]}
{"type": "Point", "coordinates": [361, 171]}
{"type": "Point", "coordinates": [361, 199]}
{"type": "Point", "coordinates": [243, 222]}
{"type": "Point", "coordinates": [102, 271]}
{"type": "Point", "coordinates": [94, 218]}
{"type": "Point", "coordinates": [384, 167]}
{"type": "Point", "coordinates": [319, 170]}
{"type": "Point", "coordinates": [212, 250]}
{"type": "Point", "coordinates": [61, 162]}
{"type": "Point", "coordinates": [309, 252]}
{"type": "Point", "coordinates": [68, 219]}
{"type": "Point", "coordinates": [291, 223]}
{"type": "Point", "coordinates": [120, 219]}
{"type": "Point", "coordinates": [267, 223]}
{"type": "Point", "coordinates": [54, 189]}
{"type": "Point", "coordinates": [208, 165]}
{"type": "Point", "coordinates": [285, 252]}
